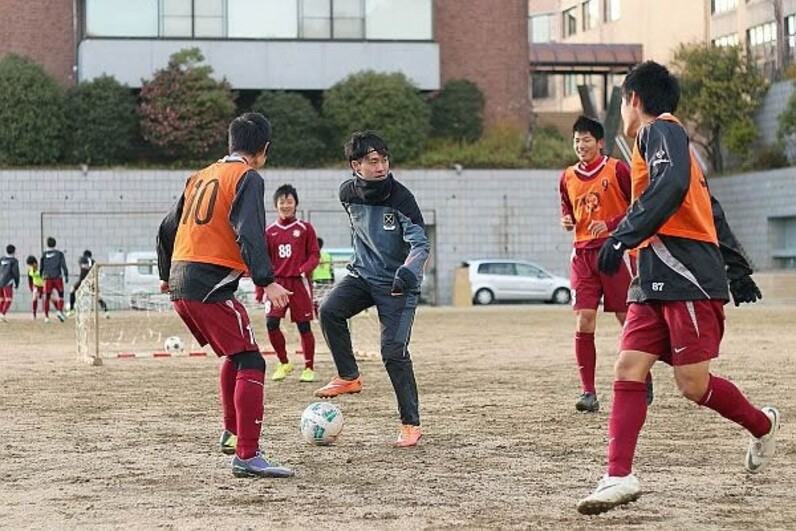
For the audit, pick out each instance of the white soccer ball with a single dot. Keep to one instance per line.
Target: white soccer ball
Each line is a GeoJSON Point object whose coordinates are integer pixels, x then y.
{"type": "Point", "coordinates": [321, 423]}
{"type": "Point", "coordinates": [174, 345]}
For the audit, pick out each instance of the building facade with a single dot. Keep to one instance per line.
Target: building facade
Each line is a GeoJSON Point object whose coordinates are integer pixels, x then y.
{"type": "Point", "coordinates": [306, 45]}
{"type": "Point", "coordinates": [658, 26]}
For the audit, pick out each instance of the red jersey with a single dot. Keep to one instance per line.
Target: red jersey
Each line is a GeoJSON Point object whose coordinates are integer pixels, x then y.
{"type": "Point", "coordinates": [293, 247]}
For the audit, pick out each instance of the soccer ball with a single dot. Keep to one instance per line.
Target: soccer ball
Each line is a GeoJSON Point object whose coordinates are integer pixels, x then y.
{"type": "Point", "coordinates": [174, 345]}
{"type": "Point", "coordinates": [321, 423]}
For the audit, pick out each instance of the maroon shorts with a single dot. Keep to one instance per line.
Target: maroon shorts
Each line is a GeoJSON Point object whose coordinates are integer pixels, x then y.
{"type": "Point", "coordinates": [301, 307]}
{"type": "Point", "coordinates": [224, 325]}
{"type": "Point", "coordinates": [678, 332]}
{"type": "Point", "coordinates": [56, 284]}
{"type": "Point", "coordinates": [7, 293]}
{"type": "Point", "coordinates": [589, 285]}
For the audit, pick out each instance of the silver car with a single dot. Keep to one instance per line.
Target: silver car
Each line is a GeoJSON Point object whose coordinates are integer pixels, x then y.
{"type": "Point", "coordinates": [512, 280]}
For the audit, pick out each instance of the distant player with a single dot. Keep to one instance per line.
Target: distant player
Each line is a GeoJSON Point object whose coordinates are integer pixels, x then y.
{"type": "Point", "coordinates": [210, 238]}
{"type": "Point", "coordinates": [9, 280]}
{"type": "Point", "coordinates": [595, 194]}
{"type": "Point", "coordinates": [293, 246]}
{"type": "Point", "coordinates": [86, 262]}
{"type": "Point", "coordinates": [35, 283]}
{"type": "Point", "coordinates": [55, 274]}
{"type": "Point", "coordinates": [686, 254]}
{"type": "Point", "coordinates": [390, 252]}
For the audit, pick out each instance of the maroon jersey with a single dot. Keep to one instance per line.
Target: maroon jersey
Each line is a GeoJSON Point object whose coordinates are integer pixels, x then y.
{"type": "Point", "coordinates": [293, 247]}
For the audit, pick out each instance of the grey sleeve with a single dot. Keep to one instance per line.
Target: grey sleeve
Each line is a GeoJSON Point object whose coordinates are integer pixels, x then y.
{"type": "Point", "coordinates": [414, 233]}
{"type": "Point", "coordinates": [167, 233]}
{"type": "Point", "coordinates": [15, 273]}
{"type": "Point", "coordinates": [64, 269]}
{"type": "Point", "coordinates": [731, 251]}
{"type": "Point", "coordinates": [665, 149]}
{"type": "Point", "coordinates": [247, 218]}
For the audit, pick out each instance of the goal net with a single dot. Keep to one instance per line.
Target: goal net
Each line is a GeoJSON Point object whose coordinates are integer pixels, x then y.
{"type": "Point", "coordinates": [120, 313]}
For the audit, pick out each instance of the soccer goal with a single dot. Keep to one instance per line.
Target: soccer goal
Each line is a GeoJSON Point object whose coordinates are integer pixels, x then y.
{"type": "Point", "coordinates": [120, 313]}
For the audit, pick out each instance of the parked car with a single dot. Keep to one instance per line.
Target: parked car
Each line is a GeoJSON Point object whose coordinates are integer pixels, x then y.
{"type": "Point", "coordinates": [512, 280]}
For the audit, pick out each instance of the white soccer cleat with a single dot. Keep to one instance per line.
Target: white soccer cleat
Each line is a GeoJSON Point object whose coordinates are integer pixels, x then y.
{"type": "Point", "coordinates": [762, 450]}
{"type": "Point", "coordinates": [612, 491]}
{"type": "Point", "coordinates": [46, 320]}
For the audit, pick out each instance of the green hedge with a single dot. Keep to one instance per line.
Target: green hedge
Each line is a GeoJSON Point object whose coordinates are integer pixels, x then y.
{"type": "Point", "coordinates": [387, 103]}
{"type": "Point", "coordinates": [102, 122]}
{"type": "Point", "coordinates": [457, 112]}
{"type": "Point", "coordinates": [297, 129]}
{"type": "Point", "coordinates": [32, 118]}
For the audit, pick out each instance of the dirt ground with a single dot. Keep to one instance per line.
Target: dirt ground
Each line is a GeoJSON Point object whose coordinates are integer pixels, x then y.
{"type": "Point", "coordinates": [132, 444]}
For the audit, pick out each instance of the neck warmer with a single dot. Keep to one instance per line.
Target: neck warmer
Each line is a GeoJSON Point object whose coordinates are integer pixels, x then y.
{"type": "Point", "coordinates": [373, 191]}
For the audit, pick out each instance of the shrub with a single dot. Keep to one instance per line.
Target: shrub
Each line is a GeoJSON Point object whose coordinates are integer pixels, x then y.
{"type": "Point", "coordinates": [297, 129]}
{"type": "Point", "coordinates": [550, 150]}
{"type": "Point", "coordinates": [387, 103]}
{"type": "Point", "coordinates": [102, 121]}
{"type": "Point", "coordinates": [770, 157]}
{"type": "Point", "coordinates": [31, 113]}
{"type": "Point", "coordinates": [183, 110]}
{"type": "Point", "coordinates": [502, 146]}
{"type": "Point", "coordinates": [457, 111]}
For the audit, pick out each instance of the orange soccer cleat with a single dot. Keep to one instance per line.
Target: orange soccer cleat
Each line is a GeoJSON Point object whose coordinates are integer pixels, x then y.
{"type": "Point", "coordinates": [339, 386]}
{"type": "Point", "coordinates": [409, 436]}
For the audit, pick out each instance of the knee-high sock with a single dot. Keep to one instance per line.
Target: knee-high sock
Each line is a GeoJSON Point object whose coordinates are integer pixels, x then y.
{"type": "Point", "coordinates": [72, 300]}
{"type": "Point", "coordinates": [277, 339]}
{"type": "Point", "coordinates": [4, 304]}
{"type": "Point", "coordinates": [249, 391]}
{"type": "Point", "coordinates": [46, 305]}
{"type": "Point", "coordinates": [628, 414]}
{"type": "Point", "coordinates": [308, 346]}
{"type": "Point", "coordinates": [35, 305]}
{"type": "Point", "coordinates": [727, 400]}
{"type": "Point", "coordinates": [227, 377]}
{"type": "Point", "coordinates": [59, 304]}
{"type": "Point", "coordinates": [586, 357]}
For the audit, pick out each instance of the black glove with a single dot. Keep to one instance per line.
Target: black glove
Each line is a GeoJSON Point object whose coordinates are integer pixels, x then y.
{"type": "Point", "coordinates": [610, 257]}
{"type": "Point", "coordinates": [403, 283]}
{"type": "Point", "coordinates": [744, 289]}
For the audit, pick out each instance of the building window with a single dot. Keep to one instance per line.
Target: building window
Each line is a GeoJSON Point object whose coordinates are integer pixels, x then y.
{"type": "Point", "coordinates": [540, 28]}
{"type": "Point", "coordinates": [726, 40]}
{"type": "Point", "coordinates": [570, 22]}
{"type": "Point", "coordinates": [590, 14]}
{"type": "Point", "coordinates": [790, 36]}
{"type": "Point", "coordinates": [540, 86]}
{"type": "Point", "coordinates": [722, 6]}
{"type": "Point", "coordinates": [332, 19]}
{"type": "Point", "coordinates": [394, 20]}
{"type": "Point", "coordinates": [570, 84]}
{"type": "Point", "coordinates": [613, 10]}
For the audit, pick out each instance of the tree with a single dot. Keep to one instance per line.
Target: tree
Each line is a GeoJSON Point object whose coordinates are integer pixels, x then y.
{"type": "Point", "coordinates": [387, 103]}
{"type": "Point", "coordinates": [297, 128]}
{"type": "Point", "coordinates": [183, 110]}
{"type": "Point", "coordinates": [721, 89]}
{"type": "Point", "coordinates": [102, 121]}
{"type": "Point", "coordinates": [457, 112]}
{"type": "Point", "coordinates": [31, 113]}
{"type": "Point", "coordinates": [787, 122]}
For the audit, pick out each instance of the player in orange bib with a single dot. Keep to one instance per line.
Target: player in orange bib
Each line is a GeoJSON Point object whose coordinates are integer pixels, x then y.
{"type": "Point", "coordinates": [211, 237]}
{"type": "Point", "coordinates": [686, 256]}
{"type": "Point", "coordinates": [595, 194]}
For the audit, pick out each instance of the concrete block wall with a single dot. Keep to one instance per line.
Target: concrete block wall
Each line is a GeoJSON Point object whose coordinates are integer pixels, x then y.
{"type": "Point", "coordinates": [471, 214]}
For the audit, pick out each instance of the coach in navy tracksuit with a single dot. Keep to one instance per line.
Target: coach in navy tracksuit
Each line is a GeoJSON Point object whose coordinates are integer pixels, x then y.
{"type": "Point", "coordinates": [391, 248]}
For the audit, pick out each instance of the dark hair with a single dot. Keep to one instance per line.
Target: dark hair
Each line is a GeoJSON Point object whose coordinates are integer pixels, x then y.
{"type": "Point", "coordinates": [584, 124]}
{"type": "Point", "coordinates": [656, 87]}
{"type": "Point", "coordinates": [362, 143]}
{"type": "Point", "coordinates": [10, 249]}
{"type": "Point", "coordinates": [249, 133]}
{"type": "Point", "coordinates": [50, 242]}
{"type": "Point", "coordinates": [285, 190]}
{"type": "Point", "coordinates": [87, 253]}
{"type": "Point", "coordinates": [320, 243]}
{"type": "Point", "coordinates": [31, 260]}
